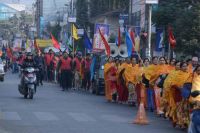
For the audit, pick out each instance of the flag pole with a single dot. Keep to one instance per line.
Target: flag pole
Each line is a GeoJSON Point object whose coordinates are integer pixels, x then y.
{"type": "Point", "coordinates": [169, 51]}
{"type": "Point", "coordinates": [73, 46]}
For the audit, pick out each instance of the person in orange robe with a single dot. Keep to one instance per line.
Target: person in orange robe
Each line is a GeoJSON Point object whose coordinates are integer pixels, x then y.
{"type": "Point", "coordinates": [122, 88]}
{"type": "Point", "coordinates": [179, 112]}
{"type": "Point", "coordinates": [149, 78]}
{"type": "Point", "coordinates": [107, 68]}
{"type": "Point", "coordinates": [130, 76]}
{"type": "Point", "coordinates": [194, 126]}
{"type": "Point", "coordinates": [167, 96]}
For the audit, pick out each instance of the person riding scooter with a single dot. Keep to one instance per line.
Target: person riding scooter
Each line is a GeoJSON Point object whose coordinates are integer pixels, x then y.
{"type": "Point", "coordinates": [28, 62]}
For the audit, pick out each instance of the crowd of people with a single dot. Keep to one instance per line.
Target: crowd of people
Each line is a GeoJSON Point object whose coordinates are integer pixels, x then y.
{"type": "Point", "coordinates": [170, 88]}
{"type": "Point", "coordinates": [62, 68]}
{"type": "Point", "coordinates": [166, 86]}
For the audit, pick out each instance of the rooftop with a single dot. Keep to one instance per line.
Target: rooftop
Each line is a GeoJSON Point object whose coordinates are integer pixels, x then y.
{"type": "Point", "coordinates": [18, 7]}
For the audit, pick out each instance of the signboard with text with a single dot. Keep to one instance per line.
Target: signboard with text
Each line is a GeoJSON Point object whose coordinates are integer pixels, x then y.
{"type": "Point", "coordinates": [44, 43]}
{"type": "Point", "coordinates": [151, 1]}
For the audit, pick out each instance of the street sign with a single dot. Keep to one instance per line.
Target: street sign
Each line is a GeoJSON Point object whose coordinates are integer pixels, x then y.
{"type": "Point", "coordinates": [72, 19]}
{"type": "Point", "coordinates": [151, 1]}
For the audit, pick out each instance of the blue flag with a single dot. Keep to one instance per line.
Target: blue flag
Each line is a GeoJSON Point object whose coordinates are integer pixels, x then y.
{"type": "Point", "coordinates": [116, 41]}
{"type": "Point", "coordinates": [159, 39]}
{"type": "Point", "coordinates": [92, 68]}
{"type": "Point", "coordinates": [129, 44]}
{"type": "Point", "coordinates": [87, 43]}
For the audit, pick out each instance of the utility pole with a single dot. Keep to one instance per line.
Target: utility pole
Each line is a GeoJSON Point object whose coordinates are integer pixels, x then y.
{"type": "Point", "coordinates": [149, 2]}
{"type": "Point", "coordinates": [149, 33]}
{"type": "Point", "coordinates": [72, 15]}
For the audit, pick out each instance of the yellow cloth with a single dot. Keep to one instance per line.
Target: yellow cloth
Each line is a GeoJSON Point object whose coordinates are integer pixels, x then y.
{"type": "Point", "coordinates": [130, 74]}
{"type": "Point", "coordinates": [177, 81]}
{"type": "Point", "coordinates": [107, 67]}
{"type": "Point", "coordinates": [74, 32]}
{"type": "Point", "coordinates": [167, 99]}
{"type": "Point", "coordinates": [195, 86]}
{"type": "Point", "coordinates": [190, 68]}
{"type": "Point", "coordinates": [152, 72]}
{"type": "Point", "coordinates": [180, 78]}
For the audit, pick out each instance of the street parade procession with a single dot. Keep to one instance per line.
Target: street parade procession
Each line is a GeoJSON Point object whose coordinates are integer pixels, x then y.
{"type": "Point", "coordinates": [125, 77]}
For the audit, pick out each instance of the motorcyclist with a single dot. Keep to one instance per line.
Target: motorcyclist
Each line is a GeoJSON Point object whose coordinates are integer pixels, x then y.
{"type": "Point", "coordinates": [39, 60]}
{"type": "Point", "coordinates": [28, 62]}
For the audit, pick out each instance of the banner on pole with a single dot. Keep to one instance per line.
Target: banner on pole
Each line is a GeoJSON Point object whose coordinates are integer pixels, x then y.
{"type": "Point", "coordinates": [44, 43]}
{"type": "Point", "coordinates": [97, 42]}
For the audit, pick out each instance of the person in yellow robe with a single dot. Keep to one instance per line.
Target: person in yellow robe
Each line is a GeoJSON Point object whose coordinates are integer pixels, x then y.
{"type": "Point", "coordinates": [107, 68]}
{"type": "Point", "coordinates": [122, 89]}
{"type": "Point", "coordinates": [162, 71]}
{"type": "Point", "coordinates": [194, 126]}
{"type": "Point", "coordinates": [130, 76]}
{"type": "Point", "coordinates": [167, 99]}
{"type": "Point", "coordinates": [180, 110]}
{"type": "Point", "coordinates": [149, 78]}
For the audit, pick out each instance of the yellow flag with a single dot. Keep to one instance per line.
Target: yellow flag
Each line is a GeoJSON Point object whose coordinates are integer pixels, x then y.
{"type": "Point", "coordinates": [74, 32]}
{"type": "Point", "coordinates": [27, 44]}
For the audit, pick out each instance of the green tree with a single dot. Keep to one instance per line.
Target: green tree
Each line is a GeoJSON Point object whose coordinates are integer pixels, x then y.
{"type": "Point", "coordinates": [82, 12]}
{"type": "Point", "coordinates": [184, 17]}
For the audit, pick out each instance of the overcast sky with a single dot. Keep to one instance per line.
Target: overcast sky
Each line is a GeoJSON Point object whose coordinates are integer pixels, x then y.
{"type": "Point", "coordinates": [26, 2]}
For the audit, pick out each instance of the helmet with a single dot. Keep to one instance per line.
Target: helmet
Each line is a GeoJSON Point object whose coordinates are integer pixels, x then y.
{"type": "Point", "coordinates": [29, 54]}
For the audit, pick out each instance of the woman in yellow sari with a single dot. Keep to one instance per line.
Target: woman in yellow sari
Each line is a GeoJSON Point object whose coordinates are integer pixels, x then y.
{"type": "Point", "coordinates": [130, 75]}
{"type": "Point", "coordinates": [110, 71]}
{"type": "Point", "coordinates": [180, 110]}
{"type": "Point", "coordinates": [149, 78]}
{"type": "Point", "coordinates": [122, 89]}
{"type": "Point", "coordinates": [195, 102]}
{"type": "Point", "coordinates": [166, 100]}
{"type": "Point", "coordinates": [162, 72]}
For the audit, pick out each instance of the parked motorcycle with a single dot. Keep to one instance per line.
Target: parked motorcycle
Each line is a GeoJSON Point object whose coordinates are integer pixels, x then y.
{"type": "Point", "coordinates": [28, 82]}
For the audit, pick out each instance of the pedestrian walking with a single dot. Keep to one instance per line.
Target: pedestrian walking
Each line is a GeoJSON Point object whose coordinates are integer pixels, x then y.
{"type": "Point", "coordinates": [65, 64]}
{"type": "Point", "coordinates": [48, 57]}
{"type": "Point", "coordinates": [86, 70]}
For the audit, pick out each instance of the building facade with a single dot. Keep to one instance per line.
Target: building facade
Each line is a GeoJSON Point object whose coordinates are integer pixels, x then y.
{"type": "Point", "coordinates": [9, 10]}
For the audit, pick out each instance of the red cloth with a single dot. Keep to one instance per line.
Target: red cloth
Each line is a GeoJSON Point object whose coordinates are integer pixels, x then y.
{"type": "Point", "coordinates": [172, 39]}
{"type": "Point", "coordinates": [55, 42]}
{"type": "Point", "coordinates": [120, 92]}
{"type": "Point", "coordinates": [132, 34]}
{"type": "Point", "coordinates": [87, 64]}
{"type": "Point", "coordinates": [21, 60]}
{"type": "Point", "coordinates": [112, 77]}
{"type": "Point", "coordinates": [119, 37]}
{"type": "Point", "coordinates": [14, 59]}
{"type": "Point", "coordinates": [105, 43]}
{"type": "Point", "coordinates": [48, 59]}
{"type": "Point", "coordinates": [78, 64]}
{"type": "Point", "coordinates": [66, 63]}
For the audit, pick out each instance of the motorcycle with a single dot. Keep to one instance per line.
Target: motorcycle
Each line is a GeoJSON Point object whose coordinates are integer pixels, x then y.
{"type": "Point", "coordinates": [29, 82]}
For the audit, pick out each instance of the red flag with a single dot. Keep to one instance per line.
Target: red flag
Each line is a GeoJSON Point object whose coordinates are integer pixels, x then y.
{"type": "Point", "coordinates": [119, 37]}
{"type": "Point", "coordinates": [55, 42]}
{"type": "Point", "coordinates": [36, 46]}
{"type": "Point", "coordinates": [105, 43]}
{"type": "Point", "coordinates": [9, 52]}
{"type": "Point", "coordinates": [172, 40]}
{"type": "Point", "coordinates": [132, 34]}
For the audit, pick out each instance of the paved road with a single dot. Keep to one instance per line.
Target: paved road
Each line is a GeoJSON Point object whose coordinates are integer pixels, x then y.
{"type": "Point", "coordinates": [54, 111]}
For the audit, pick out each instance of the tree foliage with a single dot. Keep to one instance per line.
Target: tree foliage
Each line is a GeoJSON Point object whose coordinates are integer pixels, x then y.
{"type": "Point", "coordinates": [82, 12]}
{"type": "Point", "coordinates": [184, 17]}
